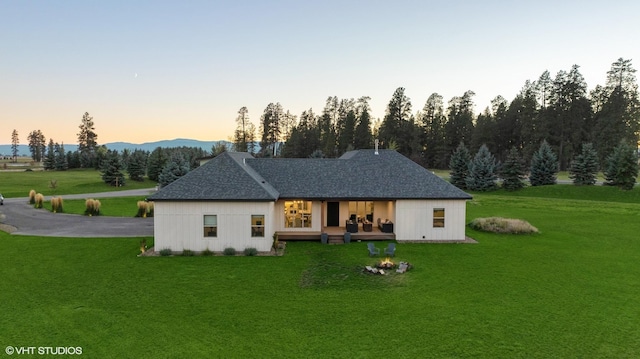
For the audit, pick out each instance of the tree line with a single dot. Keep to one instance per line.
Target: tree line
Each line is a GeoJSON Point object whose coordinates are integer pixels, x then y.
{"type": "Point", "coordinates": [559, 110]}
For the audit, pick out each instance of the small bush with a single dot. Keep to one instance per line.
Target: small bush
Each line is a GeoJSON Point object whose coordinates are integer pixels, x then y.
{"type": "Point", "coordinates": [56, 205]}
{"type": "Point", "coordinates": [250, 252]}
{"type": "Point", "coordinates": [150, 209]}
{"type": "Point", "coordinates": [207, 252]}
{"type": "Point", "coordinates": [32, 196]}
{"type": "Point", "coordinates": [229, 251]}
{"type": "Point", "coordinates": [92, 207]}
{"type": "Point", "coordinates": [38, 200]}
{"type": "Point", "coordinates": [187, 253]}
{"type": "Point", "coordinates": [165, 252]}
{"type": "Point", "coordinates": [503, 225]}
{"type": "Point", "coordinates": [145, 209]}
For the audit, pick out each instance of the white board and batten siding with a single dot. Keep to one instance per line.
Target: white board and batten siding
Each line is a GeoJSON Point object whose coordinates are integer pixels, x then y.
{"type": "Point", "coordinates": [414, 220]}
{"type": "Point", "coordinates": [180, 225]}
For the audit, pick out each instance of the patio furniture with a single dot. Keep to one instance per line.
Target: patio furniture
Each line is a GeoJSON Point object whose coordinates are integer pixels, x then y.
{"type": "Point", "coordinates": [390, 250]}
{"type": "Point", "coordinates": [373, 251]}
{"type": "Point", "coordinates": [386, 226]}
{"type": "Point", "coordinates": [367, 226]}
{"type": "Point", "coordinates": [352, 227]}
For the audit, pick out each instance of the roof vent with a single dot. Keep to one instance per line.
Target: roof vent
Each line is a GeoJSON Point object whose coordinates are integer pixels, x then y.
{"type": "Point", "coordinates": [376, 152]}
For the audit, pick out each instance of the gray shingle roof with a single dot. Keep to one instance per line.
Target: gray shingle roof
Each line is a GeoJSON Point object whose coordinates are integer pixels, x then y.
{"type": "Point", "coordinates": [357, 175]}
{"type": "Point", "coordinates": [224, 178]}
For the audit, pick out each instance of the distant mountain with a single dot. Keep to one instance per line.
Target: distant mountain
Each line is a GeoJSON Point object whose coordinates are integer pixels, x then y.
{"type": "Point", "coordinates": [23, 150]}
{"type": "Point", "coordinates": [178, 142]}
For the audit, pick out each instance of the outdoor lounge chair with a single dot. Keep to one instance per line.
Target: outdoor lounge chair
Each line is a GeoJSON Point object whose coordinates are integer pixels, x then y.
{"type": "Point", "coordinates": [390, 250]}
{"type": "Point", "coordinates": [373, 251]}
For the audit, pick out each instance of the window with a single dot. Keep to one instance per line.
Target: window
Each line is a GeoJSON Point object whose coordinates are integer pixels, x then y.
{"type": "Point", "coordinates": [361, 211]}
{"type": "Point", "coordinates": [257, 225]}
{"type": "Point", "coordinates": [297, 214]}
{"type": "Point", "coordinates": [438, 217]}
{"type": "Point", "coordinates": [210, 225]}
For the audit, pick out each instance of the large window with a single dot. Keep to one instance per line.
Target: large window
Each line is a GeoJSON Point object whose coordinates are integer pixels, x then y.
{"type": "Point", "coordinates": [257, 225]}
{"type": "Point", "coordinates": [297, 214]}
{"type": "Point", "coordinates": [438, 217]}
{"type": "Point", "coordinates": [210, 225]}
{"type": "Point", "coordinates": [361, 211]}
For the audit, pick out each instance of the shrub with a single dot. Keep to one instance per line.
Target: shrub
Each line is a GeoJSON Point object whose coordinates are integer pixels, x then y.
{"type": "Point", "coordinates": [503, 225]}
{"type": "Point", "coordinates": [229, 251]}
{"type": "Point", "coordinates": [32, 196]}
{"type": "Point", "coordinates": [92, 207]}
{"type": "Point", "coordinates": [250, 251]}
{"type": "Point", "coordinates": [165, 252]}
{"type": "Point", "coordinates": [187, 253]}
{"type": "Point", "coordinates": [145, 209]}
{"type": "Point", "coordinates": [39, 200]}
{"type": "Point", "coordinates": [207, 253]}
{"type": "Point", "coordinates": [56, 205]}
{"type": "Point", "coordinates": [150, 208]}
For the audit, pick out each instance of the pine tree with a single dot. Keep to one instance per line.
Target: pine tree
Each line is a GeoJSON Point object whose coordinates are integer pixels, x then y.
{"type": "Point", "coordinates": [544, 166]}
{"type": "Point", "coordinates": [512, 171]}
{"type": "Point", "coordinates": [137, 165]}
{"type": "Point", "coordinates": [15, 143]}
{"type": "Point", "coordinates": [622, 167]}
{"type": "Point", "coordinates": [584, 167]}
{"type": "Point", "coordinates": [398, 124]}
{"type": "Point", "coordinates": [49, 161]}
{"type": "Point", "coordinates": [432, 120]}
{"type": "Point", "coordinates": [112, 168]}
{"type": "Point", "coordinates": [157, 160]}
{"type": "Point", "coordinates": [363, 137]}
{"type": "Point", "coordinates": [60, 158]}
{"type": "Point", "coordinates": [459, 166]}
{"type": "Point", "coordinates": [176, 167]}
{"type": "Point", "coordinates": [482, 171]}
{"type": "Point", "coordinates": [37, 145]}
{"type": "Point", "coordinates": [87, 141]}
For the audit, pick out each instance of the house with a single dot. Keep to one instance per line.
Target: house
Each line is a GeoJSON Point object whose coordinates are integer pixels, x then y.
{"type": "Point", "coordinates": [236, 200]}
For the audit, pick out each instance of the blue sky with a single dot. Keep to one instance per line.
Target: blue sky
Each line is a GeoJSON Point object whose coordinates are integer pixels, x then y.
{"type": "Point", "coordinates": [153, 70]}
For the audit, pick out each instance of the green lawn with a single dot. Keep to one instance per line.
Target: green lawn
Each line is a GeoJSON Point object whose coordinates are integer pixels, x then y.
{"type": "Point", "coordinates": [569, 292]}
{"type": "Point", "coordinates": [18, 184]}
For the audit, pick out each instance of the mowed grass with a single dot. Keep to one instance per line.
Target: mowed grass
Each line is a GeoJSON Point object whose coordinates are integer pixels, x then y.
{"type": "Point", "coordinates": [18, 184]}
{"type": "Point", "coordinates": [570, 291]}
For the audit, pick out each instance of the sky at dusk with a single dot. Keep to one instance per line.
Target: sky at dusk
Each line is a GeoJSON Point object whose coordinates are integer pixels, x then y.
{"type": "Point", "coordinates": [155, 70]}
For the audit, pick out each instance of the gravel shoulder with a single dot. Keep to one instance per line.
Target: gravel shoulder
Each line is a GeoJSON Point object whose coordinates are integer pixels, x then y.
{"type": "Point", "coordinates": [19, 218]}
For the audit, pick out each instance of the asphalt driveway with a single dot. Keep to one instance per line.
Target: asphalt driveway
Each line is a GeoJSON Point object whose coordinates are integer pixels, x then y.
{"type": "Point", "coordinates": [21, 218]}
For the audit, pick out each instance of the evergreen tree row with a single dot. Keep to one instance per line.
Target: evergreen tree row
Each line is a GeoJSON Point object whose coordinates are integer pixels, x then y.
{"type": "Point", "coordinates": [482, 172]}
{"type": "Point", "coordinates": [559, 110]}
